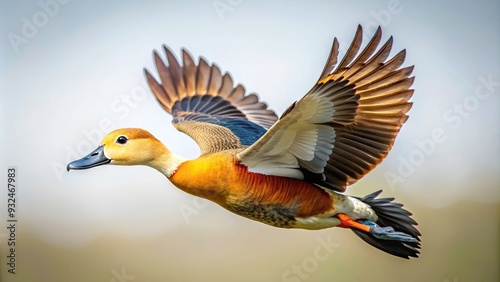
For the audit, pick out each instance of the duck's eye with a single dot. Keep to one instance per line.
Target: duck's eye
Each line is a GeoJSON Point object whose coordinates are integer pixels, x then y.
{"type": "Point", "coordinates": [121, 140]}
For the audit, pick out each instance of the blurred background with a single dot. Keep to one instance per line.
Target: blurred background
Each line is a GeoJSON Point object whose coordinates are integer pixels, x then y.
{"type": "Point", "coordinates": [73, 71]}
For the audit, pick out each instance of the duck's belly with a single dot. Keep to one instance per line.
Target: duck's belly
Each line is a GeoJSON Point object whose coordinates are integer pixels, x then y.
{"type": "Point", "coordinates": [268, 213]}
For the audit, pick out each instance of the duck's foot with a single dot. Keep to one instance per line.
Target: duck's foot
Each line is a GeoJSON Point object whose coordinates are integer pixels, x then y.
{"type": "Point", "coordinates": [380, 232]}
{"type": "Point", "coordinates": [388, 233]}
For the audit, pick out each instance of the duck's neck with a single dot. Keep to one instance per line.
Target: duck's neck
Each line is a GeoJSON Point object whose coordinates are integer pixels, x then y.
{"type": "Point", "coordinates": [166, 162]}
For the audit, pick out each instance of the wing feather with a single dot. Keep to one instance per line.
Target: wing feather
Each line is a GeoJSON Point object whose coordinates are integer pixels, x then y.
{"type": "Point", "coordinates": [189, 67]}
{"type": "Point", "coordinates": [345, 125]}
{"type": "Point", "coordinates": [205, 104]}
{"type": "Point", "coordinates": [203, 76]}
{"type": "Point", "coordinates": [332, 59]}
{"type": "Point", "coordinates": [215, 81]}
{"type": "Point", "coordinates": [176, 73]}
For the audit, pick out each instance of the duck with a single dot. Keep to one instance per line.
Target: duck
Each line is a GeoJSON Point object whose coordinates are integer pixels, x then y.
{"type": "Point", "coordinates": [290, 171]}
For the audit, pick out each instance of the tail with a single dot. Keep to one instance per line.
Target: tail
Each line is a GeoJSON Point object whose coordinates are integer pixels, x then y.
{"type": "Point", "coordinates": [391, 215]}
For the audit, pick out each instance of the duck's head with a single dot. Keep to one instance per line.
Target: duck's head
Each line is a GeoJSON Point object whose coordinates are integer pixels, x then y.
{"type": "Point", "coordinates": [126, 146]}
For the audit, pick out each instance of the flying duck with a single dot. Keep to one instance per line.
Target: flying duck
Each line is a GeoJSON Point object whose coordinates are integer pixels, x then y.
{"type": "Point", "coordinates": [291, 171]}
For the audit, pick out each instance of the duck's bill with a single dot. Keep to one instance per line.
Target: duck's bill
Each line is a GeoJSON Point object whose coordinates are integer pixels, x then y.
{"type": "Point", "coordinates": [95, 158]}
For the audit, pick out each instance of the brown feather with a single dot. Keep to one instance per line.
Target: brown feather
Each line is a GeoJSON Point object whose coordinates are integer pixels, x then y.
{"type": "Point", "coordinates": [189, 67]}
{"type": "Point", "coordinates": [369, 92]}
{"type": "Point", "coordinates": [201, 89]}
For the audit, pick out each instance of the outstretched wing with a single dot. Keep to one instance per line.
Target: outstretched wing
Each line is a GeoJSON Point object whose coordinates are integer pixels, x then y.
{"type": "Point", "coordinates": [206, 106]}
{"type": "Point", "coordinates": [345, 125]}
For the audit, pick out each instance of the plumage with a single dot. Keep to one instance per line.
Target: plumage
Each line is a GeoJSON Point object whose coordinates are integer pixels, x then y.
{"type": "Point", "coordinates": [352, 99]}
{"type": "Point", "coordinates": [232, 186]}
{"type": "Point", "coordinates": [205, 98]}
{"type": "Point", "coordinates": [287, 172]}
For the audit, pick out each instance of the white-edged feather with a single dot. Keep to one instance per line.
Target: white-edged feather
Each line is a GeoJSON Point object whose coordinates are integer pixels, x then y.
{"type": "Point", "coordinates": [297, 140]}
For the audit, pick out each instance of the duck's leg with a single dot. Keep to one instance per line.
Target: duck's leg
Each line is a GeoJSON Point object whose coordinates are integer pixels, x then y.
{"type": "Point", "coordinates": [386, 233]}
{"type": "Point", "coordinates": [347, 222]}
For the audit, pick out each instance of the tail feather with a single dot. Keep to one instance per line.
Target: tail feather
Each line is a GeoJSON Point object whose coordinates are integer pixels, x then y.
{"type": "Point", "coordinates": [393, 215]}
{"type": "Point", "coordinates": [396, 248]}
